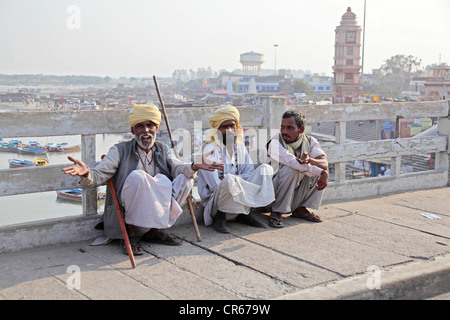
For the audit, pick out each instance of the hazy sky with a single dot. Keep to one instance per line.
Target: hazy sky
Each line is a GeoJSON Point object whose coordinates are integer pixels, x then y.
{"type": "Point", "coordinates": [155, 37]}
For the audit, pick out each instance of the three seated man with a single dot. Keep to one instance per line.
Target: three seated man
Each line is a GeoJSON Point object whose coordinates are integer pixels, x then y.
{"type": "Point", "coordinates": [152, 183]}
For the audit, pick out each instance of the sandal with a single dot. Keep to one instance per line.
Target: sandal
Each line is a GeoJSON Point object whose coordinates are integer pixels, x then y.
{"type": "Point", "coordinates": [162, 238]}
{"type": "Point", "coordinates": [136, 247]}
{"type": "Point", "coordinates": [276, 222]}
{"type": "Point", "coordinates": [307, 216]}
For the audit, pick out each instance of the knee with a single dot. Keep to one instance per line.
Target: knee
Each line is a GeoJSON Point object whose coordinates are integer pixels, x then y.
{"type": "Point", "coordinates": [286, 176]}
{"type": "Point", "coordinates": [183, 181]}
{"type": "Point", "coordinates": [288, 172]}
{"type": "Point", "coordinates": [136, 176]}
{"type": "Point", "coordinates": [265, 169]}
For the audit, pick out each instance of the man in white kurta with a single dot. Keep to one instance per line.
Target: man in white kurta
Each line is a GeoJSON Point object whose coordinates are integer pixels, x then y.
{"type": "Point", "coordinates": [230, 193]}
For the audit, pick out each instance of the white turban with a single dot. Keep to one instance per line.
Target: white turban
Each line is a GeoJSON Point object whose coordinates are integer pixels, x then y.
{"type": "Point", "coordinates": [217, 118]}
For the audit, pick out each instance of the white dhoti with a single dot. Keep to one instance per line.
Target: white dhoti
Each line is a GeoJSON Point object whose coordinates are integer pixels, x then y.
{"type": "Point", "coordinates": [154, 202]}
{"type": "Point", "coordinates": [235, 195]}
{"type": "Point", "coordinates": [292, 192]}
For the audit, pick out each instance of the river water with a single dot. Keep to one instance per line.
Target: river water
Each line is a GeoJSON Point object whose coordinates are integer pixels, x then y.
{"type": "Point", "coordinates": [46, 205]}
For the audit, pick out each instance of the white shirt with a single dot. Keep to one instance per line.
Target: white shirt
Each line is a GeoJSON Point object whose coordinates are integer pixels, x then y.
{"type": "Point", "coordinates": [280, 154]}
{"type": "Point", "coordinates": [209, 181]}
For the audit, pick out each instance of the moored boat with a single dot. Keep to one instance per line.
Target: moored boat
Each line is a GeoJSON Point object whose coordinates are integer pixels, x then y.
{"type": "Point", "coordinates": [30, 144]}
{"type": "Point", "coordinates": [77, 194]}
{"type": "Point", "coordinates": [70, 194]}
{"type": "Point", "coordinates": [16, 163]}
{"type": "Point", "coordinates": [10, 146]}
{"type": "Point", "coordinates": [61, 147]}
{"type": "Point", "coordinates": [66, 148]}
{"type": "Point", "coordinates": [40, 162]}
{"type": "Point", "coordinates": [52, 147]}
{"type": "Point", "coordinates": [31, 150]}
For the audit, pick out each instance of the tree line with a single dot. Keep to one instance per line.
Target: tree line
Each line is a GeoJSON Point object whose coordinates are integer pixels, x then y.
{"type": "Point", "coordinates": [396, 73]}
{"type": "Point", "coordinates": [36, 79]}
{"type": "Point", "coordinates": [393, 77]}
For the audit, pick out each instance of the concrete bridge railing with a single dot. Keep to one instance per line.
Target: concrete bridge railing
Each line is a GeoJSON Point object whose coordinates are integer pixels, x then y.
{"type": "Point", "coordinates": [262, 121]}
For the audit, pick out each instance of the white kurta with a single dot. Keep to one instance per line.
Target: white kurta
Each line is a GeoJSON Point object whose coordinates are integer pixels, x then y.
{"type": "Point", "coordinates": [240, 189]}
{"type": "Point", "coordinates": [280, 154]}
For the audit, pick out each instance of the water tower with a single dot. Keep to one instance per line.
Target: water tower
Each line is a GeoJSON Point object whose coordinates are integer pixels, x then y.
{"type": "Point", "coordinates": [251, 63]}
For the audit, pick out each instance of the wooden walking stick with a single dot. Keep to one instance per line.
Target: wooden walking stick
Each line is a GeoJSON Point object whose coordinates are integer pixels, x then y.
{"type": "Point", "coordinates": [121, 222]}
{"type": "Point", "coordinates": [188, 200]}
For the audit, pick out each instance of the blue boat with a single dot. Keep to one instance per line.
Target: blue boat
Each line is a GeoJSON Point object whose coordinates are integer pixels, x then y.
{"type": "Point", "coordinates": [15, 163]}
{"type": "Point", "coordinates": [15, 142]}
{"type": "Point", "coordinates": [77, 194]}
{"type": "Point", "coordinates": [31, 150]}
{"type": "Point", "coordinates": [7, 147]}
{"type": "Point", "coordinates": [33, 144]}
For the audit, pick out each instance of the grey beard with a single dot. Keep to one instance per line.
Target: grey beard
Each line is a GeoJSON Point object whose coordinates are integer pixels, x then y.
{"type": "Point", "coordinates": [145, 145]}
{"type": "Point", "coordinates": [229, 139]}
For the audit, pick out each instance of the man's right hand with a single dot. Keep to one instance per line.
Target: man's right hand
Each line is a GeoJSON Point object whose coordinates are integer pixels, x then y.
{"type": "Point", "coordinates": [203, 163]}
{"type": "Point", "coordinates": [79, 168]}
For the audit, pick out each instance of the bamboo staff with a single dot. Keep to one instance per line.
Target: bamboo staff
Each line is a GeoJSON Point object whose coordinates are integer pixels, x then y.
{"type": "Point", "coordinates": [188, 200]}
{"type": "Point", "coordinates": [122, 222]}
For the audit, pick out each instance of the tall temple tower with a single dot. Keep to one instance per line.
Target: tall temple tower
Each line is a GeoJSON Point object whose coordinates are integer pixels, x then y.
{"type": "Point", "coordinates": [347, 60]}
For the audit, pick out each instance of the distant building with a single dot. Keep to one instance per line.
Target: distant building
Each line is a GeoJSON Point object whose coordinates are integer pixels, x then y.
{"type": "Point", "coordinates": [437, 87]}
{"type": "Point", "coordinates": [417, 85]}
{"type": "Point", "coordinates": [268, 84]}
{"type": "Point", "coordinates": [321, 84]}
{"type": "Point", "coordinates": [322, 87]}
{"type": "Point", "coordinates": [244, 86]}
{"type": "Point", "coordinates": [346, 69]}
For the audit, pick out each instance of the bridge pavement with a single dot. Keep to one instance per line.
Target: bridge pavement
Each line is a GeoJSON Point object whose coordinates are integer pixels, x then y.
{"type": "Point", "coordinates": [377, 248]}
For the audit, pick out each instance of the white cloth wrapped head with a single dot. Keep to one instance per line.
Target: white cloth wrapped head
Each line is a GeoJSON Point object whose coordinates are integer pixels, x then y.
{"type": "Point", "coordinates": [217, 118]}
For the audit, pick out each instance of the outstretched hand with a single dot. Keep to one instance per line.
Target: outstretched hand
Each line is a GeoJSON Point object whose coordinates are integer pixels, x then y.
{"type": "Point", "coordinates": [79, 168]}
{"type": "Point", "coordinates": [203, 163]}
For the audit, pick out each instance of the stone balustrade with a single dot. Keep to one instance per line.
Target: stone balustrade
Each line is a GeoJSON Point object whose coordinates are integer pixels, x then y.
{"type": "Point", "coordinates": [261, 122]}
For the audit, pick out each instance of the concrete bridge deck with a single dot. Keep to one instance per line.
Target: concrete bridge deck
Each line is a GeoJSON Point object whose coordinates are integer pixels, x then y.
{"type": "Point", "coordinates": [377, 248]}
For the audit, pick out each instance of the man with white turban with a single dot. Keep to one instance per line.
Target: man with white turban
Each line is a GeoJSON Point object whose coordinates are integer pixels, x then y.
{"type": "Point", "coordinates": [151, 183]}
{"type": "Point", "coordinates": [230, 193]}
